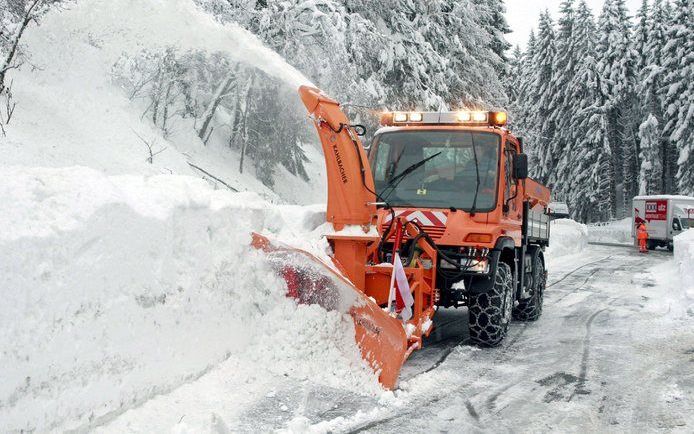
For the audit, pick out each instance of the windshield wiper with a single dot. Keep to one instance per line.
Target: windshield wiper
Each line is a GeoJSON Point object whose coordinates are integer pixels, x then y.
{"type": "Point", "coordinates": [477, 170]}
{"type": "Point", "coordinates": [393, 183]}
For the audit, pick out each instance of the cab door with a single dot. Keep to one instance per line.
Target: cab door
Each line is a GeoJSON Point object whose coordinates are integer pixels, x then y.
{"type": "Point", "coordinates": [512, 206]}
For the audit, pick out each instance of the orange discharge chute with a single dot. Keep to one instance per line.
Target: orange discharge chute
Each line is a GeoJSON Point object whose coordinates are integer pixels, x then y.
{"type": "Point", "coordinates": [381, 338]}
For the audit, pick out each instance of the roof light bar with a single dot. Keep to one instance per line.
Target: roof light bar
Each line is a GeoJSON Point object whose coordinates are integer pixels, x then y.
{"type": "Point", "coordinates": [494, 119]}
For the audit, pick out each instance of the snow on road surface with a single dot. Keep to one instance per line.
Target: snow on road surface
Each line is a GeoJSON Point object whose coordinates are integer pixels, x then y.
{"type": "Point", "coordinates": [613, 352]}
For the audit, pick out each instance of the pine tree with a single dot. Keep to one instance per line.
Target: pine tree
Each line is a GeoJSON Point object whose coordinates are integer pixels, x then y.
{"type": "Point", "coordinates": [587, 159]}
{"type": "Point", "coordinates": [651, 159]}
{"type": "Point", "coordinates": [542, 88]}
{"type": "Point", "coordinates": [492, 17]}
{"type": "Point", "coordinates": [615, 66]}
{"type": "Point", "coordinates": [650, 91]}
{"type": "Point", "coordinates": [474, 68]}
{"type": "Point", "coordinates": [513, 84]}
{"type": "Point", "coordinates": [523, 110]}
{"type": "Point", "coordinates": [678, 91]}
{"type": "Point", "coordinates": [562, 101]}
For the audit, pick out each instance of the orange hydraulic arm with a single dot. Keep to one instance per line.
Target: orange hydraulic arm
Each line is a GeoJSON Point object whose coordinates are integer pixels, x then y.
{"type": "Point", "coordinates": [350, 183]}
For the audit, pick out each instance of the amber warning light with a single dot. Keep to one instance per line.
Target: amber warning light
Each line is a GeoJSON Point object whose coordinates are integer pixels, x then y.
{"type": "Point", "coordinates": [478, 118]}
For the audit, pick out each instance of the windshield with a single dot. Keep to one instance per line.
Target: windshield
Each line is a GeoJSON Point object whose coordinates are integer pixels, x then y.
{"type": "Point", "coordinates": [444, 175]}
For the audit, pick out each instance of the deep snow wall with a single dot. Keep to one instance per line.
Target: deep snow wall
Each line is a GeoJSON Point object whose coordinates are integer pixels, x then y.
{"type": "Point", "coordinates": [684, 258]}
{"type": "Point", "coordinates": [116, 288]}
{"type": "Point", "coordinates": [567, 237]}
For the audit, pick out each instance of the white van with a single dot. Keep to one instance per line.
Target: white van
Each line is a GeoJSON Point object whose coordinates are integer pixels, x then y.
{"type": "Point", "coordinates": [666, 216]}
{"type": "Point", "coordinates": [558, 210]}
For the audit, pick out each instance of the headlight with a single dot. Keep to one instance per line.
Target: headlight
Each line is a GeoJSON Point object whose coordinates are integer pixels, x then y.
{"type": "Point", "coordinates": [479, 266]}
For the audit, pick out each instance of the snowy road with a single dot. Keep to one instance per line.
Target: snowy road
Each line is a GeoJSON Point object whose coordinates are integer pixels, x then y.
{"type": "Point", "coordinates": [614, 350]}
{"type": "Point", "coordinates": [606, 354]}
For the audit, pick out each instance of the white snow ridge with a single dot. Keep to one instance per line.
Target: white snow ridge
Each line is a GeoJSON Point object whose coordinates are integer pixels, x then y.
{"type": "Point", "coordinates": [116, 289]}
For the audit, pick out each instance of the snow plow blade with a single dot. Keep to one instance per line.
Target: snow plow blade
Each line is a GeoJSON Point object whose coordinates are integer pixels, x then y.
{"type": "Point", "coordinates": [380, 337]}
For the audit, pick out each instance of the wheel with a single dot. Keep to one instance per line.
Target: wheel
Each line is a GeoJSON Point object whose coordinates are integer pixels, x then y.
{"type": "Point", "coordinates": [651, 245]}
{"type": "Point", "coordinates": [490, 312]}
{"type": "Point", "coordinates": [670, 247]}
{"type": "Point", "coordinates": [530, 309]}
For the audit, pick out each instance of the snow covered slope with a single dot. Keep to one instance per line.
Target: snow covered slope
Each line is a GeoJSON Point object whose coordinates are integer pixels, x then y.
{"type": "Point", "coordinates": [119, 288]}
{"type": "Point", "coordinates": [71, 112]}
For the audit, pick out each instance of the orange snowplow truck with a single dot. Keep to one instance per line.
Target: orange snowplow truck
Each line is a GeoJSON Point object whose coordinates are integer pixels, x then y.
{"type": "Point", "coordinates": [448, 194]}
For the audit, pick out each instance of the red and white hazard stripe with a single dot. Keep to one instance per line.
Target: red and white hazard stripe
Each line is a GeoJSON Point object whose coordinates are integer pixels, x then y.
{"type": "Point", "coordinates": [425, 218]}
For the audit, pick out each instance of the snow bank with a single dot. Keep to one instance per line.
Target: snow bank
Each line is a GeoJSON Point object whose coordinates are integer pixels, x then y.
{"type": "Point", "coordinates": [119, 288]}
{"type": "Point", "coordinates": [567, 237]}
{"type": "Point", "coordinates": [684, 257]}
{"type": "Point", "coordinates": [615, 232]}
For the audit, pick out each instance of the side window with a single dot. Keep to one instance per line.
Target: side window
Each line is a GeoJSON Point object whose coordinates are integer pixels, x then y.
{"type": "Point", "coordinates": [383, 151]}
{"type": "Point", "coordinates": [510, 187]}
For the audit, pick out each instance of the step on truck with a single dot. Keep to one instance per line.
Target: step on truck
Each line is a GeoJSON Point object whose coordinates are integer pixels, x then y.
{"type": "Point", "coordinates": [439, 213]}
{"type": "Point", "coordinates": [666, 216]}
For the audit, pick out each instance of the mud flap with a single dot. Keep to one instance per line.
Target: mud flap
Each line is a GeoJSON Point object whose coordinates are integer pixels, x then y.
{"type": "Point", "coordinates": [381, 338]}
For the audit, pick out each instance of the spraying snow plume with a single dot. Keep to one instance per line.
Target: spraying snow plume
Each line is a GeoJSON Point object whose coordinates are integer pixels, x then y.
{"type": "Point", "coordinates": [172, 23]}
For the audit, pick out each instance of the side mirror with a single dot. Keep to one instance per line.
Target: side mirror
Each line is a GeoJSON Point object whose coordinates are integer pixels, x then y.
{"type": "Point", "coordinates": [520, 166]}
{"type": "Point", "coordinates": [676, 226]}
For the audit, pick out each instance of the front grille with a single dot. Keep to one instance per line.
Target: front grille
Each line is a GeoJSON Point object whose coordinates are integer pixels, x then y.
{"type": "Point", "coordinates": [435, 232]}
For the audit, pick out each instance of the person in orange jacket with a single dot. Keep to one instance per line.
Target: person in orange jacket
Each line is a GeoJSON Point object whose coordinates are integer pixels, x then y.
{"type": "Point", "coordinates": [642, 236]}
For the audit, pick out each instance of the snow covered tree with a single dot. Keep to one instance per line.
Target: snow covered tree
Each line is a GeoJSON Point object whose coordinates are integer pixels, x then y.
{"type": "Point", "coordinates": [651, 161]}
{"type": "Point", "coordinates": [650, 91]}
{"type": "Point", "coordinates": [615, 65]}
{"type": "Point", "coordinates": [561, 101]}
{"type": "Point", "coordinates": [522, 116]}
{"type": "Point", "coordinates": [543, 89]}
{"type": "Point", "coordinates": [474, 68]}
{"type": "Point", "coordinates": [586, 162]}
{"type": "Point", "coordinates": [15, 18]}
{"type": "Point", "coordinates": [492, 17]}
{"type": "Point", "coordinates": [678, 91]}
{"type": "Point", "coordinates": [513, 83]}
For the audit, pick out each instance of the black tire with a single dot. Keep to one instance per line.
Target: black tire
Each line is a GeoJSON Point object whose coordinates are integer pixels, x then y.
{"type": "Point", "coordinates": [651, 245]}
{"type": "Point", "coordinates": [490, 312]}
{"type": "Point", "coordinates": [530, 309]}
{"type": "Point", "coordinates": [670, 247]}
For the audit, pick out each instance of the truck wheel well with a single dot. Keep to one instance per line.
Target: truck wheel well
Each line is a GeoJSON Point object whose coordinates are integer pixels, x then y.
{"type": "Point", "coordinates": [508, 252]}
{"type": "Point", "coordinates": [508, 256]}
{"type": "Point", "coordinates": [536, 250]}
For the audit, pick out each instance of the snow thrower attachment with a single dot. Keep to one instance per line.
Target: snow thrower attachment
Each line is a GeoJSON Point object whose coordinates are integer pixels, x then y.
{"type": "Point", "coordinates": [381, 338]}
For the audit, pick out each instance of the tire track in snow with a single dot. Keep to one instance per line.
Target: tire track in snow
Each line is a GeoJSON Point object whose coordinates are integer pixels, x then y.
{"type": "Point", "coordinates": [583, 369]}
{"type": "Point", "coordinates": [490, 403]}
{"type": "Point", "coordinates": [577, 269]}
{"type": "Point", "coordinates": [501, 357]}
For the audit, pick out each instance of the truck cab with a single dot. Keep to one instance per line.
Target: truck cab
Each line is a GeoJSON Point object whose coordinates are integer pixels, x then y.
{"type": "Point", "coordinates": [462, 178]}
